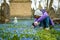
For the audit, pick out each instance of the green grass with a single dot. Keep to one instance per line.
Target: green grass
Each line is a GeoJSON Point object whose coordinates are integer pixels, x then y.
{"type": "Point", "coordinates": [39, 35]}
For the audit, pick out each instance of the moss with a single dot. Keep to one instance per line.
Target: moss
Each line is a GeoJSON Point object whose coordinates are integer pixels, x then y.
{"type": "Point", "coordinates": [15, 37]}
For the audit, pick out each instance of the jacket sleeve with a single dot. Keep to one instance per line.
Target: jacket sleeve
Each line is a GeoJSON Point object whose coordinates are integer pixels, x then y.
{"type": "Point", "coordinates": [42, 17]}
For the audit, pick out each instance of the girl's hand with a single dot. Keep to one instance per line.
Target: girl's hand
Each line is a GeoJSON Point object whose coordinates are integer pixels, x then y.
{"type": "Point", "coordinates": [36, 23]}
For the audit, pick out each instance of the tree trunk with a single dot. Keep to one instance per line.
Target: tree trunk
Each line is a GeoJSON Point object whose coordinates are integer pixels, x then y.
{"type": "Point", "coordinates": [50, 5]}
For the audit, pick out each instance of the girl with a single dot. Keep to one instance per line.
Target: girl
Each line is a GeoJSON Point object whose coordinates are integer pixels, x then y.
{"type": "Point", "coordinates": [42, 19]}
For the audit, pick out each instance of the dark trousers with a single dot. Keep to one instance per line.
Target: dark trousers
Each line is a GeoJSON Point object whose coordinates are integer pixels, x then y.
{"type": "Point", "coordinates": [45, 23]}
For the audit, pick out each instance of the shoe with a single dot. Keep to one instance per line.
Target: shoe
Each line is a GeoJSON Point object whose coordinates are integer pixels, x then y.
{"type": "Point", "coordinates": [47, 28]}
